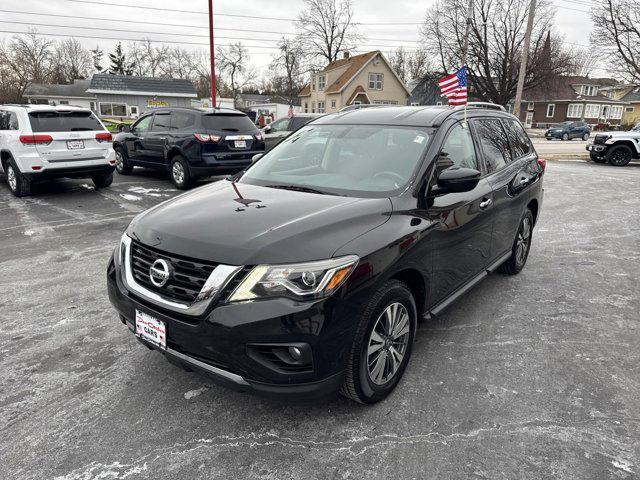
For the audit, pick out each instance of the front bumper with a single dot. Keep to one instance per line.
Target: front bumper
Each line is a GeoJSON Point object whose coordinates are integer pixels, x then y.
{"type": "Point", "coordinates": [553, 135]}
{"type": "Point", "coordinates": [217, 344]}
{"type": "Point", "coordinates": [596, 149]}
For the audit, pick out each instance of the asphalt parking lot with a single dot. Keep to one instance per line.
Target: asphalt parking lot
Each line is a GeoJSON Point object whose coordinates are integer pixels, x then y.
{"type": "Point", "coordinates": [531, 377]}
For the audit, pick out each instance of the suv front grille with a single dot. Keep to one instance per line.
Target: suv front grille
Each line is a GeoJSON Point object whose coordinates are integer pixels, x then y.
{"type": "Point", "coordinates": [187, 279]}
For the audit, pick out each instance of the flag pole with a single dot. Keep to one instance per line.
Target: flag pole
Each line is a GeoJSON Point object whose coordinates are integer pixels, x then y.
{"type": "Point", "coordinates": [465, 49]}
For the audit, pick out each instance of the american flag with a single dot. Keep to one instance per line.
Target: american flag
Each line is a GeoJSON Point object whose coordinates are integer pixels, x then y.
{"type": "Point", "coordinates": [454, 87]}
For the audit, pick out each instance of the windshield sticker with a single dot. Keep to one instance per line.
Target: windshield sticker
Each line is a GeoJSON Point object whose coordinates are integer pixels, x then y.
{"type": "Point", "coordinates": [419, 139]}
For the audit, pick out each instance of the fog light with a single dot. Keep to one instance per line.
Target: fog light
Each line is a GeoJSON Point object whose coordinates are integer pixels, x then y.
{"type": "Point", "coordinates": [295, 353]}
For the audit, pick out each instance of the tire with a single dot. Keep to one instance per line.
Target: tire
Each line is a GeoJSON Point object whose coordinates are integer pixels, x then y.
{"type": "Point", "coordinates": [365, 383]}
{"type": "Point", "coordinates": [585, 137]}
{"type": "Point", "coordinates": [103, 181]}
{"type": "Point", "coordinates": [597, 159]}
{"type": "Point", "coordinates": [180, 173]}
{"type": "Point", "coordinates": [123, 165]}
{"type": "Point", "coordinates": [19, 185]}
{"type": "Point", "coordinates": [518, 258]}
{"type": "Point", "coordinates": [619, 155]}
{"type": "Point", "coordinates": [565, 136]}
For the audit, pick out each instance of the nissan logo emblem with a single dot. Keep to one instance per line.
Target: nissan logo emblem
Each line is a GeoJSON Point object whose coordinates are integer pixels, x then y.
{"type": "Point", "coordinates": [160, 272]}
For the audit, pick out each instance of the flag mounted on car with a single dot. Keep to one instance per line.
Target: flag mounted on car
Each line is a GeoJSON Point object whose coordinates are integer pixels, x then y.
{"type": "Point", "coordinates": [454, 87]}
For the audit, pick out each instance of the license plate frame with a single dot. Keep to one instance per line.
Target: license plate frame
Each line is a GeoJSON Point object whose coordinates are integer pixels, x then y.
{"type": "Point", "coordinates": [75, 144]}
{"type": "Point", "coordinates": [240, 143]}
{"type": "Point", "coordinates": [150, 329]}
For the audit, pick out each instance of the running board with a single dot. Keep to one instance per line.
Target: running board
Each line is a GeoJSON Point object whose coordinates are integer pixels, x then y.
{"type": "Point", "coordinates": [466, 287]}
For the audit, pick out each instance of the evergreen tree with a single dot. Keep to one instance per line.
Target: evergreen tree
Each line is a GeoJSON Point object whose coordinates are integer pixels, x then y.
{"type": "Point", "coordinates": [97, 54]}
{"type": "Point", "coordinates": [118, 61]}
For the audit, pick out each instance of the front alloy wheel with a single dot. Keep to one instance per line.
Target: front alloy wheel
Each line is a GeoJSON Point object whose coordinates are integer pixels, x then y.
{"type": "Point", "coordinates": [619, 156]}
{"type": "Point", "coordinates": [388, 344]}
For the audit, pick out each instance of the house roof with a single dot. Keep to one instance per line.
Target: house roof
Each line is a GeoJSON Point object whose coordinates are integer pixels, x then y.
{"type": "Point", "coordinates": [560, 88]}
{"type": "Point", "coordinates": [306, 91]}
{"type": "Point", "coordinates": [633, 95]}
{"type": "Point", "coordinates": [78, 89]}
{"type": "Point", "coordinates": [132, 85]}
{"type": "Point", "coordinates": [356, 91]}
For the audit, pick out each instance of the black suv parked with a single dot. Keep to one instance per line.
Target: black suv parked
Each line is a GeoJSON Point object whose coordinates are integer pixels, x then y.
{"type": "Point", "coordinates": [307, 274]}
{"type": "Point", "coordinates": [189, 143]}
{"type": "Point", "coordinates": [568, 131]}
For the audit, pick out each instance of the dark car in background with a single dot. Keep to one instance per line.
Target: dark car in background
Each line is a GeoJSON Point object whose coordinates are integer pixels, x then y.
{"type": "Point", "coordinates": [189, 143]}
{"type": "Point", "coordinates": [277, 131]}
{"type": "Point", "coordinates": [308, 273]}
{"type": "Point", "coordinates": [568, 131]}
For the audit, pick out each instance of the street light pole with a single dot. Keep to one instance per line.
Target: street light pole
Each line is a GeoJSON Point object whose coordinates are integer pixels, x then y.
{"type": "Point", "coordinates": [211, 56]}
{"type": "Point", "coordinates": [524, 59]}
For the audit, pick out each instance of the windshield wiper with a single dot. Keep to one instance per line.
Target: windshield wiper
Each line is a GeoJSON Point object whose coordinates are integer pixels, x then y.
{"type": "Point", "coordinates": [299, 188]}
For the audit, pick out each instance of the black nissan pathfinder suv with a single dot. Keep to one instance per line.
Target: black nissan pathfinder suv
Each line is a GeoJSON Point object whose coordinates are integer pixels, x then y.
{"type": "Point", "coordinates": [189, 143]}
{"type": "Point", "coordinates": [306, 274]}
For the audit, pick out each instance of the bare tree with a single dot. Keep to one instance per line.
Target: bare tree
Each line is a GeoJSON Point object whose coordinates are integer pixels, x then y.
{"type": "Point", "coordinates": [70, 61]}
{"type": "Point", "coordinates": [287, 78]}
{"type": "Point", "coordinates": [399, 60]}
{"type": "Point", "coordinates": [233, 62]}
{"type": "Point", "coordinates": [582, 61]}
{"type": "Point", "coordinates": [147, 59]}
{"type": "Point", "coordinates": [418, 64]}
{"type": "Point", "coordinates": [617, 28]}
{"type": "Point", "coordinates": [326, 28]}
{"type": "Point", "coordinates": [495, 43]}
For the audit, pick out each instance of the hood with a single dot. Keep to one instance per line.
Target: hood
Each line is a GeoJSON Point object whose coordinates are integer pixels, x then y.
{"type": "Point", "coordinates": [242, 224]}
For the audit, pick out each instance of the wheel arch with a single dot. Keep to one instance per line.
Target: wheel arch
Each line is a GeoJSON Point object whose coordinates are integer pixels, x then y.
{"type": "Point", "coordinates": [417, 285]}
{"type": "Point", "coordinates": [173, 152]}
{"type": "Point", "coordinates": [5, 155]}
{"type": "Point", "coordinates": [533, 206]}
{"type": "Point", "coordinates": [629, 143]}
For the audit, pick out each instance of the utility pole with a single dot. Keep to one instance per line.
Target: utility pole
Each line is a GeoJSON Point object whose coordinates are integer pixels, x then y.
{"type": "Point", "coordinates": [524, 59]}
{"type": "Point", "coordinates": [211, 56]}
{"type": "Point", "coordinates": [465, 48]}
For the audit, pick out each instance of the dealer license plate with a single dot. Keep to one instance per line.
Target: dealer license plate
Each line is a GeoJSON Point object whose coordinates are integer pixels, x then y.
{"type": "Point", "coordinates": [151, 329]}
{"type": "Point", "coordinates": [240, 143]}
{"type": "Point", "coordinates": [75, 144]}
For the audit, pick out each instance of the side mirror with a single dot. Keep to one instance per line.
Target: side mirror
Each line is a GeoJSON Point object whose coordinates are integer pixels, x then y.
{"type": "Point", "coordinates": [458, 179]}
{"type": "Point", "coordinates": [125, 128]}
{"type": "Point", "coordinates": [266, 129]}
{"type": "Point", "coordinates": [256, 157]}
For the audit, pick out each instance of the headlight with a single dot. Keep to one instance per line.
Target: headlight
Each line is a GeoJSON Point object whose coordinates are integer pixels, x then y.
{"type": "Point", "coordinates": [301, 281]}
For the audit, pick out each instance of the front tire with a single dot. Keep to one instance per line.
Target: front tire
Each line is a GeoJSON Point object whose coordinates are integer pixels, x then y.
{"type": "Point", "coordinates": [565, 136]}
{"type": "Point", "coordinates": [619, 155]}
{"type": "Point", "coordinates": [382, 344]}
{"type": "Point", "coordinates": [585, 137]}
{"type": "Point", "coordinates": [521, 246]}
{"type": "Point", "coordinates": [180, 173]}
{"type": "Point", "coordinates": [597, 159]}
{"type": "Point", "coordinates": [123, 165]}
{"type": "Point", "coordinates": [19, 185]}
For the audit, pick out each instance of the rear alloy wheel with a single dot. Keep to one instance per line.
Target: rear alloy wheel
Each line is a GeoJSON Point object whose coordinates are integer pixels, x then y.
{"type": "Point", "coordinates": [619, 155]}
{"type": "Point", "coordinates": [565, 136]}
{"type": "Point", "coordinates": [521, 246]}
{"type": "Point", "coordinates": [585, 137]}
{"type": "Point", "coordinates": [103, 181]}
{"type": "Point", "coordinates": [180, 174]}
{"type": "Point", "coordinates": [382, 344]}
{"type": "Point", "coordinates": [123, 166]}
{"type": "Point", "coordinates": [19, 185]}
{"type": "Point", "coordinates": [596, 159]}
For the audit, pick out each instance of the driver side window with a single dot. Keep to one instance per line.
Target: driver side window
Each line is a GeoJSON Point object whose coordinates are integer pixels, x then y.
{"type": "Point", "coordinates": [458, 150]}
{"type": "Point", "coordinates": [142, 125]}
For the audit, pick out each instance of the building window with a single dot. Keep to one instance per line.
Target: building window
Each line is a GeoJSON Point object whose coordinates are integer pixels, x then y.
{"type": "Point", "coordinates": [113, 109]}
{"type": "Point", "coordinates": [306, 107]}
{"type": "Point", "coordinates": [574, 110]}
{"type": "Point", "coordinates": [530, 106]}
{"type": "Point", "coordinates": [551, 110]}
{"type": "Point", "coordinates": [591, 111]}
{"type": "Point", "coordinates": [333, 104]}
{"type": "Point", "coordinates": [590, 90]}
{"type": "Point", "coordinates": [385, 102]}
{"type": "Point", "coordinates": [92, 106]}
{"type": "Point", "coordinates": [133, 111]}
{"type": "Point", "coordinates": [321, 82]}
{"type": "Point", "coordinates": [616, 112]}
{"type": "Point", "coordinates": [313, 83]}
{"type": "Point", "coordinates": [320, 107]}
{"type": "Point", "coordinates": [415, 104]}
{"type": "Point", "coordinates": [375, 81]}
{"type": "Point", "coordinates": [64, 102]}
{"type": "Point", "coordinates": [313, 107]}
{"type": "Point", "coordinates": [630, 109]}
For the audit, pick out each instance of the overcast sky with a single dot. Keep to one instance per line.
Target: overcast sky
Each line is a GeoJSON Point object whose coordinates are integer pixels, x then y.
{"type": "Point", "coordinates": [572, 20]}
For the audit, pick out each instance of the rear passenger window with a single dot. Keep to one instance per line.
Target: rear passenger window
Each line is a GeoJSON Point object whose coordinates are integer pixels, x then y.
{"type": "Point", "coordinates": [457, 150]}
{"type": "Point", "coordinates": [495, 145]}
{"type": "Point", "coordinates": [161, 122]}
{"type": "Point", "coordinates": [520, 145]}
{"type": "Point", "coordinates": [182, 120]}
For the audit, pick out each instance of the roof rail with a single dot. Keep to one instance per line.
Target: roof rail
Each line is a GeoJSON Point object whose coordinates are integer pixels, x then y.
{"type": "Point", "coordinates": [351, 107]}
{"type": "Point", "coordinates": [487, 105]}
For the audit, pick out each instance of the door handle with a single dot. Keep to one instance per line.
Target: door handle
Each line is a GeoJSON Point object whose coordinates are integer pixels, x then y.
{"type": "Point", "coordinates": [486, 203]}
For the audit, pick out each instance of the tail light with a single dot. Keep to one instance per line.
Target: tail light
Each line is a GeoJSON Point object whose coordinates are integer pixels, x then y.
{"type": "Point", "coordinates": [104, 137]}
{"type": "Point", "coordinates": [35, 139]}
{"type": "Point", "coordinates": [543, 163]}
{"type": "Point", "coordinates": [205, 137]}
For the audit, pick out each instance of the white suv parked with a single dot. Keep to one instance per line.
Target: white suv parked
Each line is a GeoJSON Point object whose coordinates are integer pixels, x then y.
{"type": "Point", "coordinates": [39, 142]}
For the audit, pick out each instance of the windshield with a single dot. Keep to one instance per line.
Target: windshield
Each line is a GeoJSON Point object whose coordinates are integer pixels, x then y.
{"type": "Point", "coordinates": [59, 121]}
{"type": "Point", "coordinates": [352, 160]}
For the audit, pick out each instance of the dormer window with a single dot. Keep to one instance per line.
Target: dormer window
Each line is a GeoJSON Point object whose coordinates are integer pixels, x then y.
{"type": "Point", "coordinates": [321, 82]}
{"type": "Point", "coordinates": [589, 90]}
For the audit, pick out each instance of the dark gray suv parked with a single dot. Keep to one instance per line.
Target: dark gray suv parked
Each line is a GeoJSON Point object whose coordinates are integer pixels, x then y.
{"type": "Point", "coordinates": [569, 131]}
{"type": "Point", "coordinates": [277, 131]}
